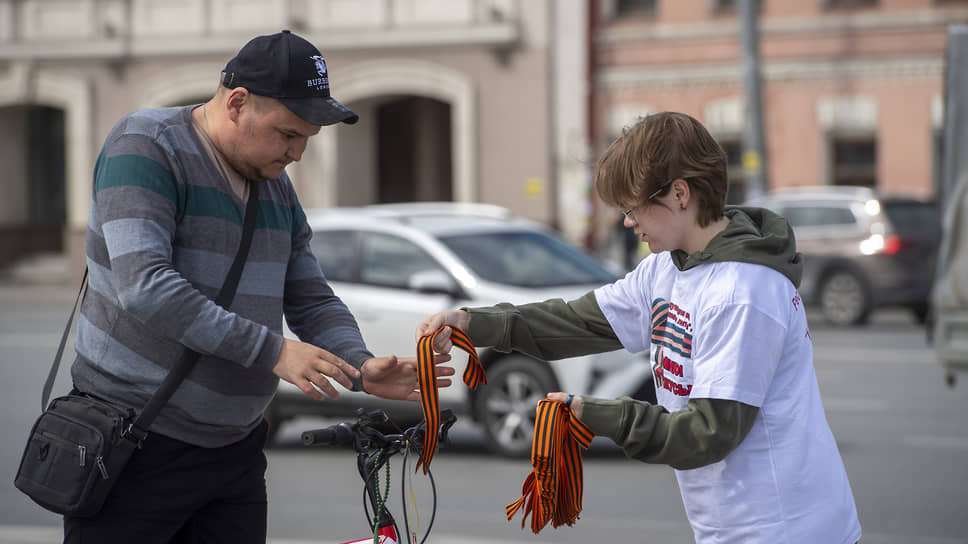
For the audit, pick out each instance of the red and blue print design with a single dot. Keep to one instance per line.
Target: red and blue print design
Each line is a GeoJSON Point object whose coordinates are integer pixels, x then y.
{"type": "Point", "coordinates": [671, 330]}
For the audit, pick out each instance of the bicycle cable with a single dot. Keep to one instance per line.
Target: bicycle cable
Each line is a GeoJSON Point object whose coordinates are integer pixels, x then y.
{"type": "Point", "coordinates": [433, 494]}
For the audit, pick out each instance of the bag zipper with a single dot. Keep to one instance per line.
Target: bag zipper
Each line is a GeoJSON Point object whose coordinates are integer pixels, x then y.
{"type": "Point", "coordinates": [100, 465]}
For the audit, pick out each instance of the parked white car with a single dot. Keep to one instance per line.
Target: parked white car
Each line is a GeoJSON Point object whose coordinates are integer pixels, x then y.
{"type": "Point", "coordinates": [396, 264]}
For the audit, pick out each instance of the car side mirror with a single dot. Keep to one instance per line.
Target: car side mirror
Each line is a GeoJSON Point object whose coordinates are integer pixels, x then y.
{"type": "Point", "coordinates": [434, 281]}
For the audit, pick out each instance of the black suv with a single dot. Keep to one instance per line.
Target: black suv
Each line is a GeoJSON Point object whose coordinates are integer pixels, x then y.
{"type": "Point", "coordinates": [861, 250]}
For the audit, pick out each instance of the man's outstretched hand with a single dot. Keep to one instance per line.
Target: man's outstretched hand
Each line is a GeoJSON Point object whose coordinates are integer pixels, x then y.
{"type": "Point", "coordinates": [396, 377]}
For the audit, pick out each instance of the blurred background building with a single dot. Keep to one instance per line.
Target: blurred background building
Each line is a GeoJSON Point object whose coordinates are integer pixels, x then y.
{"type": "Point", "coordinates": [506, 102]}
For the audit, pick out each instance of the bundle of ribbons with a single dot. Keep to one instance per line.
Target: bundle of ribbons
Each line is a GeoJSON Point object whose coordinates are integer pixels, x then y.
{"type": "Point", "coordinates": [427, 381]}
{"type": "Point", "coordinates": [553, 490]}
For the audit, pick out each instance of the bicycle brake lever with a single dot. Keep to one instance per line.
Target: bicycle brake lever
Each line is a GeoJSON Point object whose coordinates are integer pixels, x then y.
{"type": "Point", "coordinates": [447, 421]}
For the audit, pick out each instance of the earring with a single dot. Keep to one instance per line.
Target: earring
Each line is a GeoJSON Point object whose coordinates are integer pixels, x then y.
{"type": "Point", "coordinates": [682, 206]}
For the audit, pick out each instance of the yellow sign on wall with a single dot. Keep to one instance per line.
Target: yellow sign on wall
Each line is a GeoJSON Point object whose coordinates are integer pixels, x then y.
{"type": "Point", "coordinates": [533, 186]}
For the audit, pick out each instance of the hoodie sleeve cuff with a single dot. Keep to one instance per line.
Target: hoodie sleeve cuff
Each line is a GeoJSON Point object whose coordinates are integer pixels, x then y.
{"type": "Point", "coordinates": [489, 327]}
{"type": "Point", "coordinates": [603, 416]}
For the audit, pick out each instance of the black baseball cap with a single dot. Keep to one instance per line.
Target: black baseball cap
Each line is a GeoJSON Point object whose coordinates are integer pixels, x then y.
{"type": "Point", "coordinates": [288, 68]}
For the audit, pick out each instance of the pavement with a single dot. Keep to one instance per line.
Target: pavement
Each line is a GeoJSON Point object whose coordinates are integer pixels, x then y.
{"type": "Point", "coordinates": [41, 268]}
{"type": "Point", "coordinates": [29, 535]}
{"type": "Point", "coordinates": [52, 535]}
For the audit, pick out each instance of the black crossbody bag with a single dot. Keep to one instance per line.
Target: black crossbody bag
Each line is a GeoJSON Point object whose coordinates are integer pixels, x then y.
{"type": "Point", "coordinates": [80, 444]}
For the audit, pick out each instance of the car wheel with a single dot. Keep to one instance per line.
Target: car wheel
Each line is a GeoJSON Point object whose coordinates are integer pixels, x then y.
{"type": "Point", "coordinates": [506, 405]}
{"type": "Point", "coordinates": [844, 299]}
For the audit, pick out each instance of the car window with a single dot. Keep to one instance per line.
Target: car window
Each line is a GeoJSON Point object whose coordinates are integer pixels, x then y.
{"type": "Point", "coordinates": [818, 216]}
{"type": "Point", "coordinates": [526, 259]}
{"type": "Point", "coordinates": [334, 249]}
{"type": "Point", "coordinates": [390, 261]}
{"type": "Point", "coordinates": [912, 216]}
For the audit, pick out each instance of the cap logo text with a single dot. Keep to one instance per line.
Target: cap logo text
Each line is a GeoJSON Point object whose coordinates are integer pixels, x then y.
{"type": "Point", "coordinates": [321, 82]}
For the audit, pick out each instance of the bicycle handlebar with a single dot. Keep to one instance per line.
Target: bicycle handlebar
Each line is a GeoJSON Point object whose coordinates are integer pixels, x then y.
{"type": "Point", "coordinates": [336, 435]}
{"type": "Point", "coordinates": [364, 434]}
{"type": "Point", "coordinates": [374, 449]}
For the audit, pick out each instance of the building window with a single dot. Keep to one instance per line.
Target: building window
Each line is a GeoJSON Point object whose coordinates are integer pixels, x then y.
{"type": "Point", "coordinates": [853, 161]}
{"type": "Point", "coordinates": [832, 4]}
{"type": "Point", "coordinates": [634, 7]}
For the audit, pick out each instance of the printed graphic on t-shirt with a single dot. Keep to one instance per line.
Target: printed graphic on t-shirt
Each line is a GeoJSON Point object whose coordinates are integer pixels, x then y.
{"type": "Point", "coordinates": [672, 333]}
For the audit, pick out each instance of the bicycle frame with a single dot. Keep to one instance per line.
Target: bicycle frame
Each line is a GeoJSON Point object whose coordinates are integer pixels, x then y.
{"type": "Point", "coordinates": [386, 535]}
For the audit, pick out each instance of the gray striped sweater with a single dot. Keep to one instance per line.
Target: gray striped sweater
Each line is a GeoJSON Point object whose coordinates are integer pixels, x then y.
{"type": "Point", "coordinates": [163, 230]}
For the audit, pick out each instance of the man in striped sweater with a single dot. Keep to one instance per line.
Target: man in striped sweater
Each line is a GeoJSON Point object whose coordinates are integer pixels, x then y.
{"type": "Point", "coordinates": [170, 188]}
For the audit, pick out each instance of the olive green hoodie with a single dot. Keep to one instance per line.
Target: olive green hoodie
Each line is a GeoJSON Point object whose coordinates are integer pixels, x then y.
{"type": "Point", "coordinates": [707, 430]}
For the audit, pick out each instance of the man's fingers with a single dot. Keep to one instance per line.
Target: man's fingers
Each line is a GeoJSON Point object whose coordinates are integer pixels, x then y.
{"type": "Point", "coordinates": [345, 367]}
{"type": "Point", "coordinates": [441, 358]}
{"type": "Point", "coordinates": [336, 368]}
{"type": "Point", "coordinates": [445, 370]}
{"type": "Point", "coordinates": [306, 386]}
{"type": "Point", "coordinates": [323, 384]}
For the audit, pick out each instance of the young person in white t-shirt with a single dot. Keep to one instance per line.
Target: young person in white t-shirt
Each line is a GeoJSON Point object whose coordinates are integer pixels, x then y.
{"type": "Point", "coordinates": [739, 414]}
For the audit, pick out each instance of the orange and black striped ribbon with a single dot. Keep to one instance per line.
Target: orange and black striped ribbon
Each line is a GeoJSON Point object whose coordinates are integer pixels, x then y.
{"type": "Point", "coordinates": [427, 381]}
{"type": "Point", "coordinates": [553, 490]}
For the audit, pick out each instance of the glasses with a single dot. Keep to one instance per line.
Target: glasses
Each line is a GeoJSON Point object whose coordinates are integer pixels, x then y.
{"type": "Point", "coordinates": [628, 213]}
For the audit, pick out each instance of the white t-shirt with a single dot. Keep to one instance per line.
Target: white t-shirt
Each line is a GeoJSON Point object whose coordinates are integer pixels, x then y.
{"type": "Point", "coordinates": [738, 331]}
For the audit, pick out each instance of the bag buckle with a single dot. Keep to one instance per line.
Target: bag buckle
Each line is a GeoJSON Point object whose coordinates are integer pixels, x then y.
{"type": "Point", "coordinates": [134, 434]}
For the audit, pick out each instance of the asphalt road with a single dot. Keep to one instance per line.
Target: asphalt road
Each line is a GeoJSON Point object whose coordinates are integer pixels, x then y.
{"type": "Point", "coordinates": [902, 432]}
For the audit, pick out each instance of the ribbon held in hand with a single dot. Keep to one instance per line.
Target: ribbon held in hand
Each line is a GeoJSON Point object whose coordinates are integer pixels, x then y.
{"type": "Point", "coordinates": [427, 381]}
{"type": "Point", "coordinates": [553, 490]}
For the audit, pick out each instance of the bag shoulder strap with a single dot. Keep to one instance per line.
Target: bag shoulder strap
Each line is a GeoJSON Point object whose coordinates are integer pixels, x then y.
{"type": "Point", "coordinates": [52, 374]}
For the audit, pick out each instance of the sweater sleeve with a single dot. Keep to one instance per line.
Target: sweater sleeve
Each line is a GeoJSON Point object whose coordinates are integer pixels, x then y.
{"type": "Point", "coordinates": [550, 330]}
{"type": "Point", "coordinates": [705, 432]}
{"type": "Point", "coordinates": [313, 311]}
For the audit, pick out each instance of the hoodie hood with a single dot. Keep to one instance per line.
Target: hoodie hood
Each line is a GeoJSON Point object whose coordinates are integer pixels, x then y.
{"type": "Point", "coordinates": [754, 235]}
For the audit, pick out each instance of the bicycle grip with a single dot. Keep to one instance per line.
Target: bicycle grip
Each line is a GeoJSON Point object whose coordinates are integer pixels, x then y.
{"type": "Point", "coordinates": [336, 435]}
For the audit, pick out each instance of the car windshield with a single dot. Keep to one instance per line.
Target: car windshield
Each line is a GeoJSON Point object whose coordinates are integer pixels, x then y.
{"type": "Point", "coordinates": [526, 259]}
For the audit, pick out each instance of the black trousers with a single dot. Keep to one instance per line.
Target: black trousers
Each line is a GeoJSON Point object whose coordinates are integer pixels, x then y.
{"type": "Point", "coordinates": [171, 492]}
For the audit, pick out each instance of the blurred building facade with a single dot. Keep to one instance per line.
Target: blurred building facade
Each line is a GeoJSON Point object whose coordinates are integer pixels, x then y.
{"type": "Point", "coordinates": [456, 99]}
{"type": "Point", "coordinates": [851, 89]}
{"type": "Point", "coordinates": [500, 101]}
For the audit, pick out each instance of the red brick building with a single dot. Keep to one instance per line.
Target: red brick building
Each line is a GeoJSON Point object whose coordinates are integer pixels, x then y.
{"type": "Point", "coordinates": [851, 88]}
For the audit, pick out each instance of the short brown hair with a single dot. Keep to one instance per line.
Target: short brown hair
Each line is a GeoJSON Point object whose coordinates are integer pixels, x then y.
{"type": "Point", "coordinates": [657, 149]}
